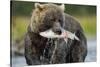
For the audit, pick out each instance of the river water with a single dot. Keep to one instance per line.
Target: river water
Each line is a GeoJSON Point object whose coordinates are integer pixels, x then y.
{"type": "Point", "coordinates": [91, 56]}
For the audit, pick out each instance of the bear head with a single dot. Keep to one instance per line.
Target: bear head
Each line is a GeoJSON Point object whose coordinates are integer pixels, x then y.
{"type": "Point", "coordinates": [47, 16]}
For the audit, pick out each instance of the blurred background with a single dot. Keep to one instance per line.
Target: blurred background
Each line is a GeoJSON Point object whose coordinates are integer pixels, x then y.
{"type": "Point", "coordinates": [20, 19]}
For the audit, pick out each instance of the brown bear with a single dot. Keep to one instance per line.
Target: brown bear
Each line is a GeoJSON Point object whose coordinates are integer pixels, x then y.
{"type": "Point", "coordinates": [39, 50]}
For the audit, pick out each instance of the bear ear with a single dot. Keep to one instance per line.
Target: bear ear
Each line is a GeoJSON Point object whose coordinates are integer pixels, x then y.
{"type": "Point", "coordinates": [62, 7]}
{"type": "Point", "coordinates": [39, 6]}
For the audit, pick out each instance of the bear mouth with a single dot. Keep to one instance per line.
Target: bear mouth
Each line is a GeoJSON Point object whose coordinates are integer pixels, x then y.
{"type": "Point", "coordinates": [64, 35]}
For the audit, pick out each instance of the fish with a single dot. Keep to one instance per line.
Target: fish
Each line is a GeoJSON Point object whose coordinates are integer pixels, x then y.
{"type": "Point", "coordinates": [70, 35]}
{"type": "Point", "coordinates": [65, 35]}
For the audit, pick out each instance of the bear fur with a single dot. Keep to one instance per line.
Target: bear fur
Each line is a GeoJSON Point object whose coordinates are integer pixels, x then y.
{"type": "Point", "coordinates": [39, 50]}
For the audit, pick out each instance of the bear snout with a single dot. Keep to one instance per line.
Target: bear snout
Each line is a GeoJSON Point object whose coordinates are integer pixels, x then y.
{"type": "Point", "coordinates": [58, 31]}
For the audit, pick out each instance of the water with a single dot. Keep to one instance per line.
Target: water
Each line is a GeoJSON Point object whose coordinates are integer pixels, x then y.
{"type": "Point", "coordinates": [18, 61]}
{"type": "Point", "coordinates": [91, 56]}
{"type": "Point", "coordinates": [92, 45]}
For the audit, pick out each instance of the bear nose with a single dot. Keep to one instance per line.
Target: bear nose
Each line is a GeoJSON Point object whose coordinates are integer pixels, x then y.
{"type": "Point", "coordinates": [58, 31]}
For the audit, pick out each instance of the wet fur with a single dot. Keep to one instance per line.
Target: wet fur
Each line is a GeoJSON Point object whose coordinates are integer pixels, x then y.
{"type": "Point", "coordinates": [74, 51]}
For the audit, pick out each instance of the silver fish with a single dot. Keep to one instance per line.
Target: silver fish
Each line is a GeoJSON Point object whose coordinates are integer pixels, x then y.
{"type": "Point", "coordinates": [65, 35]}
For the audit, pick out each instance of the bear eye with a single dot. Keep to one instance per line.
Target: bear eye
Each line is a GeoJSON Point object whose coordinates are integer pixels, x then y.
{"type": "Point", "coordinates": [60, 20]}
{"type": "Point", "coordinates": [53, 19]}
